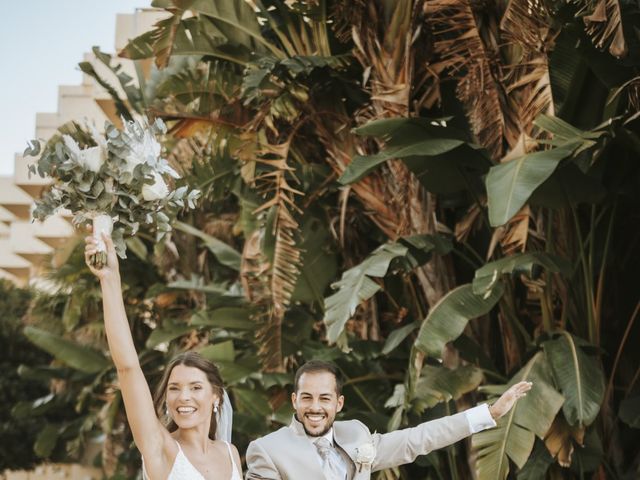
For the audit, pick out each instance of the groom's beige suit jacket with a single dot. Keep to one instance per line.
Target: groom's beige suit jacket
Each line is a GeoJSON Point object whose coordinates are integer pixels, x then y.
{"type": "Point", "coordinates": [287, 454]}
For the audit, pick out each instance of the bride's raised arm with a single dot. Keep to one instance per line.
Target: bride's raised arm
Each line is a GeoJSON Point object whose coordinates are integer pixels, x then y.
{"type": "Point", "coordinates": [151, 437]}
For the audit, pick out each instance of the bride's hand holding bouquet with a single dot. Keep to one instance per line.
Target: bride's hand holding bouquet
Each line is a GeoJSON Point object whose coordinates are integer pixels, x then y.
{"type": "Point", "coordinates": [118, 181]}
{"type": "Point", "coordinates": [110, 269]}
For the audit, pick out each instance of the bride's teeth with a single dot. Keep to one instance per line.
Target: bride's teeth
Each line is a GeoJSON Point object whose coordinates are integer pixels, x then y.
{"type": "Point", "coordinates": [186, 410]}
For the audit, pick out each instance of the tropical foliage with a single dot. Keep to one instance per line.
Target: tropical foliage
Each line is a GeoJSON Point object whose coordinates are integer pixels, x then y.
{"type": "Point", "coordinates": [437, 195]}
{"type": "Point", "coordinates": [16, 352]}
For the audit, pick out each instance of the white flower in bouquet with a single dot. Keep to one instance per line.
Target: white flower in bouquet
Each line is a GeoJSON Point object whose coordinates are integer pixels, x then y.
{"type": "Point", "coordinates": [158, 190]}
{"type": "Point", "coordinates": [91, 158]}
{"type": "Point", "coordinates": [143, 149]}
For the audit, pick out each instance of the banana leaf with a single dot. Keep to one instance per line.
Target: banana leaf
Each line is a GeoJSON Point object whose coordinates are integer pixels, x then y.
{"type": "Point", "coordinates": [167, 332]}
{"type": "Point", "coordinates": [510, 184]}
{"type": "Point", "coordinates": [578, 375]}
{"type": "Point", "coordinates": [356, 286]}
{"type": "Point", "coordinates": [362, 165]}
{"type": "Point", "coordinates": [440, 384]}
{"type": "Point", "coordinates": [252, 402]}
{"type": "Point", "coordinates": [225, 254]}
{"type": "Point", "coordinates": [193, 36]}
{"type": "Point", "coordinates": [47, 440]}
{"type": "Point", "coordinates": [448, 318]}
{"type": "Point", "coordinates": [219, 352]}
{"type": "Point", "coordinates": [538, 463]}
{"type": "Point", "coordinates": [629, 411]}
{"type": "Point", "coordinates": [440, 156]}
{"type": "Point", "coordinates": [396, 337]}
{"type": "Point", "coordinates": [238, 22]}
{"type": "Point", "coordinates": [523, 263]}
{"type": "Point", "coordinates": [319, 263]}
{"type": "Point", "coordinates": [121, 106]}
{"type": "Point", "coordinates": [590, 455]}
{"type": "Point", "coordinates": [71, 353]}
{"type": "Point", "coordinates": [235, 318]}
{"type": "Point", "coordinates": [514, 436]}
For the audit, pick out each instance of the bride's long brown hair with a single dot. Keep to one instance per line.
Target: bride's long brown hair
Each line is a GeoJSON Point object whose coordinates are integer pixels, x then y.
{"type": "Point", "coordinates": [188, 359]}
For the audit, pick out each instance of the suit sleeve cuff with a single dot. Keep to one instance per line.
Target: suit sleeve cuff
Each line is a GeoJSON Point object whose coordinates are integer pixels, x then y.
{"type": "Point", "coordinates": [479, 418]}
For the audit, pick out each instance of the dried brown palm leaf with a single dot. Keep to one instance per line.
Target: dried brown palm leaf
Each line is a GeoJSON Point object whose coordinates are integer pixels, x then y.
{"type": "Point", "coordinates": [275, 297]}
{"type": "Point", "coordinates": [527, 27]}
{"type": "Point", "coordinates": [390, 42]}
{"type": "Point", "coordinates": [164, 35]}
{"type": "Point", "coordinates": [559, 440]}
{"type": "Point", "coordinates": [386, 47]}
{"type": "Point", "coordinates": [385, 51]}
{"type": "Point", "coordinates": [604, 26]}
{"type": "Point", "coordinates": [527, 22]}
{"type": "Point", "coordinates": [512, 236]}
{"type": "Point", "coordinates": [221, 226]}
{"type": "Point", "coordinates": [340, 146]}
{"type": "Point", "coordinates": [530, 90]}
{"type": "Point", "coordinates": [254, 274]}
{"type": "Point", "coordinates": [471, 57]}
{"type": "Point", "coordinates": [254, 268]}
{"type": "Point", "coordinates": [347, 14]}
{"type": "Point", "coordinates": [469, 223]}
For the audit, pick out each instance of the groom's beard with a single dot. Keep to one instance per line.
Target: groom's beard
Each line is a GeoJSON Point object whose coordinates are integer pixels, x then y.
{"type": "Point", "coordinates": [321, 433]}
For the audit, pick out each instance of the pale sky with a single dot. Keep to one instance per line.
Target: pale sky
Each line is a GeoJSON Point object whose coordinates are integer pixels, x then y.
{"type": "Point", "coordinates": [41, 44]}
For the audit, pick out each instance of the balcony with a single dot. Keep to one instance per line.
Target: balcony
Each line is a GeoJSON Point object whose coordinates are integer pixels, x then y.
{"type": "Point", "coordinates": [32, 184]}
{"type": "Point", "coordinates": [14, 199]}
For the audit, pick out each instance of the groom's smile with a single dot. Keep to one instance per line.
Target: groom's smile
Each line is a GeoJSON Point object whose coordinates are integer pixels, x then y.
{"type": "Point", "coordinates": [317, 402]}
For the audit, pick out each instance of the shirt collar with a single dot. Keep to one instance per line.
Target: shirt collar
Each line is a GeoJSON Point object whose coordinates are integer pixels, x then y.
{"type": "Point", "coordinates": [328, 436]}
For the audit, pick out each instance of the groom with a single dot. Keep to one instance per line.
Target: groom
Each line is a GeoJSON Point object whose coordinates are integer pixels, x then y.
{"type": "Point", "coordinates": [315, 447]}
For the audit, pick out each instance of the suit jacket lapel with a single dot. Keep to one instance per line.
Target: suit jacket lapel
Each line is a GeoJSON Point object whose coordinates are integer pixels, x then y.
{"type": "Point", "coordinates": [343, 437]}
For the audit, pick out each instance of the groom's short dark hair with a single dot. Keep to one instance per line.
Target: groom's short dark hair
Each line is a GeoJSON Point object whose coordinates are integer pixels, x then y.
{"type": "Point", "coordinates": [317, 366]}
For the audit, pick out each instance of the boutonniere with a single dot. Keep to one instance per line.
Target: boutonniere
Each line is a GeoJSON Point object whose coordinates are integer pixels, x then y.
{"type": "Point", "coordinates": [364, 455]}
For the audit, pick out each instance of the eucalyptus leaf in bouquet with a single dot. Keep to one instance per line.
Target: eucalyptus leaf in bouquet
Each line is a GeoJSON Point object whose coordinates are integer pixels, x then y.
{"type": "Point", "coordinates": [118, 180]}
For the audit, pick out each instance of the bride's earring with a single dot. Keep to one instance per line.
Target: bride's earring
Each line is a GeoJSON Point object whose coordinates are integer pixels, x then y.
{"type": "Point", "coordinates": [166, 412]}
{"type": "Point", "coordinates": [215, 407]}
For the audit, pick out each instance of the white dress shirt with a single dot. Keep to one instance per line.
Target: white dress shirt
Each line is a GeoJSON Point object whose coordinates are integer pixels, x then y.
{"type": "Point", "coordinates": [479, 418]}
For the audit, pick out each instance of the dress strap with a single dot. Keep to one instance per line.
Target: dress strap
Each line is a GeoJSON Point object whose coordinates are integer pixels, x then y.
{"type": "Point", "coordinates": [234, 468]}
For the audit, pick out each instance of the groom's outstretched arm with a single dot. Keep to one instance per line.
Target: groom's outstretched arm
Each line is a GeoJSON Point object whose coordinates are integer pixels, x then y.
{"type": "Point", "coordinates": [403, 446]}
{"type": "Point", "coordinates": [259, 464]}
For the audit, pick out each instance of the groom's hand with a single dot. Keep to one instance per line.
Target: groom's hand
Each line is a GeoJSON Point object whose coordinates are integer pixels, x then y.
{"type": "Point", "coordinates": [508, 399]}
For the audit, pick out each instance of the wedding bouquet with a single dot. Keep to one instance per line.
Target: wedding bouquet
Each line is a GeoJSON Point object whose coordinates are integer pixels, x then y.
{"type": "Point", "coordinates": [118, 180]}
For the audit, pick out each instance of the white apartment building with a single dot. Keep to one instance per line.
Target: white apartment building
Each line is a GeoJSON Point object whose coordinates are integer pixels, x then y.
{"type": "Point", "coordinates": [25, 245]}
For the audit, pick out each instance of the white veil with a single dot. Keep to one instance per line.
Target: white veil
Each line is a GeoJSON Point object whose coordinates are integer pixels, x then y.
{"type": "Point", "coordinates": [224, 419]}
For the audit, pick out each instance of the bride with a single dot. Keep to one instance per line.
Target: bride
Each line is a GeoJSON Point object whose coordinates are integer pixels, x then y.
{"type": "Point", "coordinates": [194, 443]}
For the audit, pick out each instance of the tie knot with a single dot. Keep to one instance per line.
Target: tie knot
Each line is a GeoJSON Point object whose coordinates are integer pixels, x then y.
{"type": "Point", "coordinates": [324, 446]}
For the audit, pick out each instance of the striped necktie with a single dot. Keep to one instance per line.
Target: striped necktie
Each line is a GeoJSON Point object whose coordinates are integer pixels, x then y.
{"type": "Point", "coordinates": [330, 460]}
